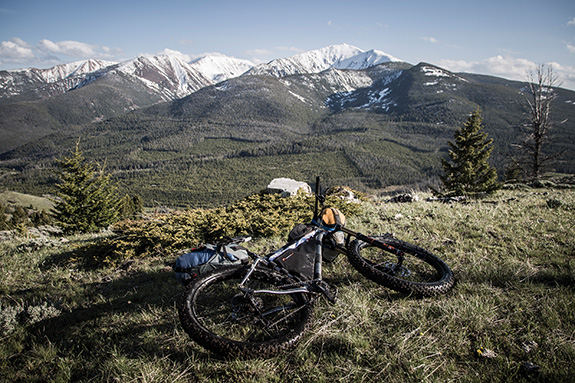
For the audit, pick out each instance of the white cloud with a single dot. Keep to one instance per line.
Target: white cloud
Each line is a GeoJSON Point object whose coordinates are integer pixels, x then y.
{"type": "Point", "coordinates": [571, 22]}
{"type": "Point", "coordinates": [503, 66]}
{"type": "Point", "coordinates": [289, 49]}
{"type": "Point", "coordinates": [432, 40]}
{"type": "Point", "coordinates": [15, 50]}
{"type": "Point", "coordinates": [73, 48]}
{"type": "Point", "coordinates": [510, 67]}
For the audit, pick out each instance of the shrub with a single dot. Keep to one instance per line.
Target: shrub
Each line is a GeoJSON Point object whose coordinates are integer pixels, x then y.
{"type": "Point", "coordinates": [259, 215]}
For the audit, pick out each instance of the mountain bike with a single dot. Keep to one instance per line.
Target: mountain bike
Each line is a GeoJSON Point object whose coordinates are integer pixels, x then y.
{"type": "Point", "coordinates": [265, 306]}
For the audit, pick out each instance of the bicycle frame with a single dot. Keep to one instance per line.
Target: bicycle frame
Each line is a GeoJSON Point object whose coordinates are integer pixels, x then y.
{"type": "Point", "coordinates": [318, 234]}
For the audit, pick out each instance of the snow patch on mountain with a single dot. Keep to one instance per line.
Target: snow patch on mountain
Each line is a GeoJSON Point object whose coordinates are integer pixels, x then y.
{"type": "Point", "coordinates": [378, 99]}
{"type": "Point", "coordinates": [442, 80]}
{"type": "Point", "coordinates": [369, 95]}
{"type": "Point", "coordinates": [434, 71]}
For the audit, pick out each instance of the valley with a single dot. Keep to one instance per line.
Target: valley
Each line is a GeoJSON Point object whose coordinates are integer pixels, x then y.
{"type": "Point", "coordinates": [371, 125]}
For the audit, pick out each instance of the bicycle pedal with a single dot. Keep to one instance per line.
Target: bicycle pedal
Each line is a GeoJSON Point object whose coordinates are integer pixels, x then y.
{"type": "Point", "coordinates": [329, 292]}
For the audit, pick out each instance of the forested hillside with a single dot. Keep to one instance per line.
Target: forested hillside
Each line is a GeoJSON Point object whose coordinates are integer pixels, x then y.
{"type": "Point", "coordinates": [383, 127]}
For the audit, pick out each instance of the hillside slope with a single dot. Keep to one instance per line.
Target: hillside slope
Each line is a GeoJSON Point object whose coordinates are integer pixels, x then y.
{"type": "Point", "coordinates": [372, 129]}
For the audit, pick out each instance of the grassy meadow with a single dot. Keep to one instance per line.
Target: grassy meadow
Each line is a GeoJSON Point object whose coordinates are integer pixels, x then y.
{"type": "Point", "coordinates": [510, 317]}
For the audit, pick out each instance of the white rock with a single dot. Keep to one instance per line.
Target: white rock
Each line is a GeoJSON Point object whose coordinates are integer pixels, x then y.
{"type": "Point", "coordinates": [287, 187]}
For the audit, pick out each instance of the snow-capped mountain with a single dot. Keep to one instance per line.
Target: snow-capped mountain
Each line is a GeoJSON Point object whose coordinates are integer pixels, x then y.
{"type": "Point", "coordinates": [366, 60]}
{"type": "Point", "coordinates": [218, 67]}
{"type": "Point", "coordinates": [342, 56]}
{"type": "Point", "coordinates": [168, 76]}
{"type": "Point", "coordinates": [46, 82]}
{"type": "Point", "coordinates": [388, 120]}
{"type": "Point", "coordinates": [74, 69]}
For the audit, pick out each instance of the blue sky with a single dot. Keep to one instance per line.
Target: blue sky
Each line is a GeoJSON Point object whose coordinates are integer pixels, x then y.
{"type": "Point", "coordinates": [506, 38]}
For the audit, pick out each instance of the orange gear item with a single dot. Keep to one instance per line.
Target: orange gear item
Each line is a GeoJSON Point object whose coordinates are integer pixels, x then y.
{"type": "Point", "coordinates": [330, 217]}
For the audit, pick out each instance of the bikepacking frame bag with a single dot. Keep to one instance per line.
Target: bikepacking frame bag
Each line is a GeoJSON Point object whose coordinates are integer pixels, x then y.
{"type": "Point", "coordinates": [298, 256]}
{"type": "Point", "coordinates": [206, 258]}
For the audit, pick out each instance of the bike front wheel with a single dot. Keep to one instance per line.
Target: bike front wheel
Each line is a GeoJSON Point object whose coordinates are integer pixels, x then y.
{"type": "Point", "coordinates": [401, 266]}
{"type": "Point", "coordinates": [225, 320]}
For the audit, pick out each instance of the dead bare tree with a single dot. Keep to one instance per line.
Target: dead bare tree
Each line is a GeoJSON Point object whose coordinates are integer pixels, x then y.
{"type": "Point", "coordinates": [539, 98]}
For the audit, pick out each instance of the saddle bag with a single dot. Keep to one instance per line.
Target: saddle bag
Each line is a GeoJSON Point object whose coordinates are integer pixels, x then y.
{"type": "Point", "coordinates": [206, 258]}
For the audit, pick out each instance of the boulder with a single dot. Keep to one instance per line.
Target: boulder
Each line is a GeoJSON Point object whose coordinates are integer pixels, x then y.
{"type": "Point", "coordinates": [287, 187]}
{"type": "Point", "coordinates": [402, 198]}
{"type": "Point", "coordinates": [344, 193]}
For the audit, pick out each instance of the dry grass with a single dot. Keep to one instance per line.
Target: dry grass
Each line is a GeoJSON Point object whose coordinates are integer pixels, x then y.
{"type": "Point", "coordinates": [509, 318]}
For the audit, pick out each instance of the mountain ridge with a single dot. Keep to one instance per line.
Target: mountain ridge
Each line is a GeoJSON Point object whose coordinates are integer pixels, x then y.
{"type": "Point", "coordinates": [212, 67]}
{"type": "Point", "coordinates": [138, 83]}
{"type": "Point", "coordinates": [369, 128]}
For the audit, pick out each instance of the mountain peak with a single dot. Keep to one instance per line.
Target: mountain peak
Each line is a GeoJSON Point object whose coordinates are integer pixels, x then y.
{"type": "Point", "coordinates": [365, 60]}
{"type": "Point", "coordinates": [218, 67]}
{"type": "Point", "coordinates": [340, 56]}
{"type": "Point", "coordinates": [62, 71]}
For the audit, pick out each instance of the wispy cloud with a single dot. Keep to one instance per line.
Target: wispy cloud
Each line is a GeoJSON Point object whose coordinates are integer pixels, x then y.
{"type": "Point", "coordinates": [260, 52]}
{"type": "Point", "coordinates": [504, 66]}
{"type": "Point", "coordinates": [571, 22]}
{"type": "Point", "coordinates": [76, 49]}
{"type": "Point", "coordinates": [289, 49]}
{"type": "Point", "coordinates": [46, 53]}
{"type": "Point", "coordinates": [510, 67]}
{"type": "Point", "coordinates": [429, 39]}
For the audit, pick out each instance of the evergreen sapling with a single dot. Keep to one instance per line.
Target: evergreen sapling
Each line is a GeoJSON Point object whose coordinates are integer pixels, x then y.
{"type": "Point", "coordinates": [468, 172]}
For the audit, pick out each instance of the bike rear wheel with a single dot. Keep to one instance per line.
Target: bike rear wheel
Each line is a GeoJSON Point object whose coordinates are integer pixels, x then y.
{"type": "Point", "coordinates": [222, 319]}
{"type": "Point", "coordinates": [401, 266]}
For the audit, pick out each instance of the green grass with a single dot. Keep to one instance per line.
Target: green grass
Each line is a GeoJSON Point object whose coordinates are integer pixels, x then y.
{"type": "Point", "coordinates": [65, 319]}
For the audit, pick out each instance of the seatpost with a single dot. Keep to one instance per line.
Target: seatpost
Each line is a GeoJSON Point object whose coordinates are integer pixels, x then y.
{"type": "Point", "coordinates": [317, 189]}
{"type": "Point", "coordinates": [318, 256]}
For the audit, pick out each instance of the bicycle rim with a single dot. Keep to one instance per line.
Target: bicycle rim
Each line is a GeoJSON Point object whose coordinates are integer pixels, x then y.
{"type": "Point", "coordinates": [223, 319]}
{"type": "Point", "coordinates": [402, 266]}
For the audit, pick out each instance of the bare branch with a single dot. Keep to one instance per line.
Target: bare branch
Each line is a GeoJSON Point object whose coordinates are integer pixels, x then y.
{"type": "Point", "coordinates": [539, 99]}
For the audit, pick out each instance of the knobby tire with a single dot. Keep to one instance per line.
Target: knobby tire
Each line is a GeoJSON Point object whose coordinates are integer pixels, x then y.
{"type": "Point", "coordinates": [220, 318]}
{"type": "Point", "coordinates": [421, 272]}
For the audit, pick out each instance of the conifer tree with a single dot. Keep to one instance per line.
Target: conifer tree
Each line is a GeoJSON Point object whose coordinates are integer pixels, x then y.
{"type": "Point", "coordinates": [469, 172]}
{"type": "Point", "coordinates": [130, 207]}
{"type": "Point", "coordinates": [19, 217]}
{"type": "Point", "coordinates": [87, 197]}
